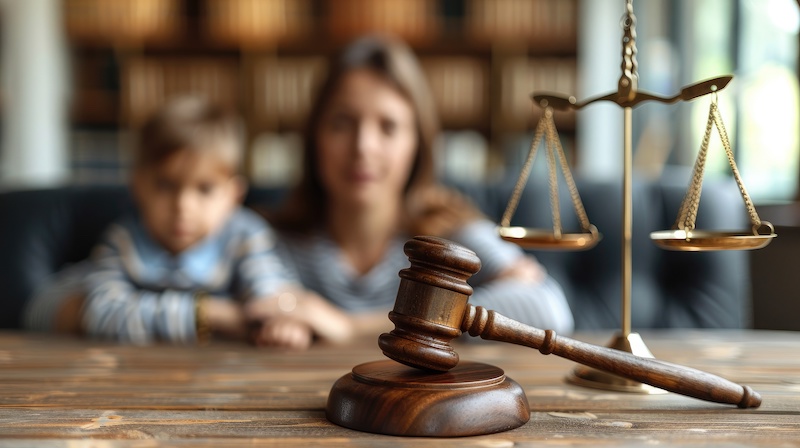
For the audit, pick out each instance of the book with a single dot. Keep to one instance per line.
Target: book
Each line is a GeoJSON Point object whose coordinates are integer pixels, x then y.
{"type": "Point", "coordinates": [522, 76]}
{"type": "Point", "coordinates": [147, 82]}
{"type": "Point", "coordinates": [541, 23]}
{"type": "Point", "coordinates": [459, 85]}
{"type": "Point", "coordinates": [283, 89]}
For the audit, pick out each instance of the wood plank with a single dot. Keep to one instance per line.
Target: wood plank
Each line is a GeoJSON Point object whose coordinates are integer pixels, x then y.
{"type": "Point", "coordinates": [585, 428]}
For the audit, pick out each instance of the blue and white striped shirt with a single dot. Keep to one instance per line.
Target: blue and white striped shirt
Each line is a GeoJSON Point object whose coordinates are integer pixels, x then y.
{"type": "Point", "coordinates": [138, 292]}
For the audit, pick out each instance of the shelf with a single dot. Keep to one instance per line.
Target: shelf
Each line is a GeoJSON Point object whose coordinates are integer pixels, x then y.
{"type": "Point", "coordinates": [482, 57]}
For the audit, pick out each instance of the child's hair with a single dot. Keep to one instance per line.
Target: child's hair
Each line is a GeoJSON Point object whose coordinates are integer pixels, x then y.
{"type": "Point", "coordinates": [193, 123]}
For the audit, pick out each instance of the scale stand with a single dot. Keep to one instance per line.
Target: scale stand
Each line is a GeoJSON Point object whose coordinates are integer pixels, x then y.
{"type": "Point", "coordinates": [683, 236]}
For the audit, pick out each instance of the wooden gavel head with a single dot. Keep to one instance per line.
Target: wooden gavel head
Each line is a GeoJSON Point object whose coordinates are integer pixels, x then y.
{"type": "Point", "coordinates": [431, 303]}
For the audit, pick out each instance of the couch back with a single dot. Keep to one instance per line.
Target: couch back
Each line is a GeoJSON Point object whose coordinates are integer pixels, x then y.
{"type": "Point", "coordinates": [41, 231]}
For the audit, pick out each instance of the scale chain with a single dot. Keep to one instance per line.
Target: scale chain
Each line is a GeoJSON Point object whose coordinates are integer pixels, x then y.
{"type": "Point", "coordinates": [546, 128]}
{"type": "Point", "coordinates": [723, 135]}
{"type": "Point", "coordinates": [555, 209]}
{"type": "Point", "coordinates": [628, 82]}
{"type": "Point", "coordinates": [513, 202]}
{"type": "Point", "coordinates": [687, 215]}
{"type": "Point", "coordinates": [573, 189]}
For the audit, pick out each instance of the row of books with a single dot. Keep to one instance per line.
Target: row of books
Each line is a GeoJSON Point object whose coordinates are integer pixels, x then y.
{"type": "Point", "coordinates": [254, 22]}
{"type": "Point", "coordinates": [124, 20]}
{"type": "Point", "coordinates": [549, 21]}
{"type": "Point", "coordinates": [148, 82]}
{"type": "Point", "coordinates": [279, 91]}
{"type": "Point", "coordinates": [414, 20]}
{"type": "Point", "coordinates": [522, 76]}
{"type": "Point", "coordinates": [257, 21]}
{"type": "Point", "coordinates": [460, 88]}
{"type": "Point", "coordinates": [275, 158]}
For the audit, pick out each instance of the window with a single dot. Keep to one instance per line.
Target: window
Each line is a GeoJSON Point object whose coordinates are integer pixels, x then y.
{"type": "Point", "coordinates": [757, 41]}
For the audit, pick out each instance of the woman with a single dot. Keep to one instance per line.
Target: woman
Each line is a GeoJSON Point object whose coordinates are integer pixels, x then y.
{"type": "Point", "coordinates": [368, 185]}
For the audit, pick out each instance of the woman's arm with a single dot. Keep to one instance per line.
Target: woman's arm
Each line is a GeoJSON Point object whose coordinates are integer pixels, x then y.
{"type": "Point", "coordinates": [512, 283]}
{"type": "Point", "coordinates": [540, 304]}
{"type": "Point", "coordinates": [324, 319]}
{"type": "Point", "coordinates": [276, 304]}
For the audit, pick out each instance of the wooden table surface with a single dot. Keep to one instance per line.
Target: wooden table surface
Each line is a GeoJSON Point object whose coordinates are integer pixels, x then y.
{"type": "Point", "coordinates": [73, 392]}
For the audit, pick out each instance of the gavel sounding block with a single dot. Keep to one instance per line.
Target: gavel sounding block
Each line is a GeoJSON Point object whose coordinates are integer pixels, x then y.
{"type": "Point", "coordinates": [387, 397]}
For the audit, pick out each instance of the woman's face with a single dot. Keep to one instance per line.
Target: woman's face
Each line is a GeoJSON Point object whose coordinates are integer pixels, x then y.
{"type": "Point", "coordinates": [366, 142]}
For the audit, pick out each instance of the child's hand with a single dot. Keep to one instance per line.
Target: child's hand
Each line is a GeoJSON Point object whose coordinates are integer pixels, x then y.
{"type": "Point", "coordinates": [283, 332]}
{"type": "Point", "coordinates": [325, 320]}
{"type": "Point", "coordinates": [225, 318]}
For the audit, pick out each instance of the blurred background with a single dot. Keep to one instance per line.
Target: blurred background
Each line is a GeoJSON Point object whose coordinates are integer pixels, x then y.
{"type": "Point", "coordinates": [79, 75]}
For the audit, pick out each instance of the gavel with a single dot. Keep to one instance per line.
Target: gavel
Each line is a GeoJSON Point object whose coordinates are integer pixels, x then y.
{"type": "Point", "coordinates": [432, 308]}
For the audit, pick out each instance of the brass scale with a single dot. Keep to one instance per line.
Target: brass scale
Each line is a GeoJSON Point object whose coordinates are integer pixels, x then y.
{"type": "Point", "coordinates": [682, 237]}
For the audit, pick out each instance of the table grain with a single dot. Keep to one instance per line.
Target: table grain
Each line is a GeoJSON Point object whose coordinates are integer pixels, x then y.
{"type": "Point", "coordinates": [64, 391]}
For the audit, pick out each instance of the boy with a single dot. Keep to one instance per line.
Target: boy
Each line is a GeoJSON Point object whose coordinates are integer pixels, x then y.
{"type": "Point", "coordinates": [181, 266]}
{"type": "Point", "coordinates": [188, 236]}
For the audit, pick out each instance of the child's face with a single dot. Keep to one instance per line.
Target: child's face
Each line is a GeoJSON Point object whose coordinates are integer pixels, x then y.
{"type": "Point", "coordinates": [186, 198]}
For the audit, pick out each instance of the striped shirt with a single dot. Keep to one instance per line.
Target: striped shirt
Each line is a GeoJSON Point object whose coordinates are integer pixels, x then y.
{"type": "Point", "coordinates": [319, 264]}
{"type": "Point", "coordinates": [137, 292]}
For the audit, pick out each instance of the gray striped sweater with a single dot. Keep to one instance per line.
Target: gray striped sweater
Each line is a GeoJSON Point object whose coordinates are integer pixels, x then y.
{"type": "Point", "coordinates": [319, 265]}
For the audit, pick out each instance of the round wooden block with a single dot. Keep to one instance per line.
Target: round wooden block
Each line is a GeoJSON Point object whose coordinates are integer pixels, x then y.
{"type": "Point", "coordinates": [387, 397]}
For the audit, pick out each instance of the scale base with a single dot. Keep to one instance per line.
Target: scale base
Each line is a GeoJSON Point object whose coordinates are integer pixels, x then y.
{"type": "Point", "coordinates": [386, 397]}
{"type": "Point", "coordinates": [598, 379]}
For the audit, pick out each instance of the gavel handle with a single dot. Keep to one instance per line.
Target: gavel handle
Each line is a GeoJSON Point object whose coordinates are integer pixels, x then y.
{"type": "Point", "coordinates": [494, 326]}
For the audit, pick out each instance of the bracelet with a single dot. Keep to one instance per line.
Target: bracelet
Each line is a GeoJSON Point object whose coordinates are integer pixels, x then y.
{"type": "Point", "coordinates": [202, 326]}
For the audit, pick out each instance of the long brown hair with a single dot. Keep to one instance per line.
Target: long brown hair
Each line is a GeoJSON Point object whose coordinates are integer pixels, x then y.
{"type": "Point", "coordinates": [396, 63]}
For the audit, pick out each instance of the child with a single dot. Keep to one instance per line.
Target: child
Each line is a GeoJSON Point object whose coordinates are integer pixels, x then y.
{"type": "Point", "coordinates": [180, 267]}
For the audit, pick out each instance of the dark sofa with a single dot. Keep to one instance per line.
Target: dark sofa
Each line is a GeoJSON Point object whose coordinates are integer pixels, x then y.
{"type": "Point", "coordinates": [41, 231]}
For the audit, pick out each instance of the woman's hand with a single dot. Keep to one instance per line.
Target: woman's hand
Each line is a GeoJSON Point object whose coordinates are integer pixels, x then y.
{"type": "Point", "coordinates": [326, 321]}
{"type": "Point", "coordinates": [525, 269]}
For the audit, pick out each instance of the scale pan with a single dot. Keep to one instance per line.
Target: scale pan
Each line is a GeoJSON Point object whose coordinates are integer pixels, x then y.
{"type": "Point", "coordinates": [700, 240]}
{"type": "Point", "coordinates": [545, 239]}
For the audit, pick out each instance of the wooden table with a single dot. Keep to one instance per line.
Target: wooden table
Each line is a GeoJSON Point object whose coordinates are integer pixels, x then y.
{"type": "Point", "coordinates": [59, 391]}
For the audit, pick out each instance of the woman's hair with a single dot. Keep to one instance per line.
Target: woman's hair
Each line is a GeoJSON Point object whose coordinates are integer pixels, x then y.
{"type": "Point", "coordinates": [190, 123]}
{"type": "Point", "coordinates": [396, 63]}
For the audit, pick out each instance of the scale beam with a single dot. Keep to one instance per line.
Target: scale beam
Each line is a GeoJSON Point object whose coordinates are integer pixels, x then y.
{"type": "Point", "coordinates": [687, 93]}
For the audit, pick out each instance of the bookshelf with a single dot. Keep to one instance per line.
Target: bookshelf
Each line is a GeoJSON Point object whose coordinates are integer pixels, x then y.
{"type": "Point", "coordinates": [148, 80]}
{"type": "Point", "coordinates": [123, 22]}
{"type": "Point", "coordinates": [459, 85]}
{"type": "Point", "coordinates": [482, 57]}
{"type": "Point", "coordinates": [256, 23]}
{"type": "Point", "coordinates": [417, 21]}
{"type": "Point", "coordinates": [282, 90]}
